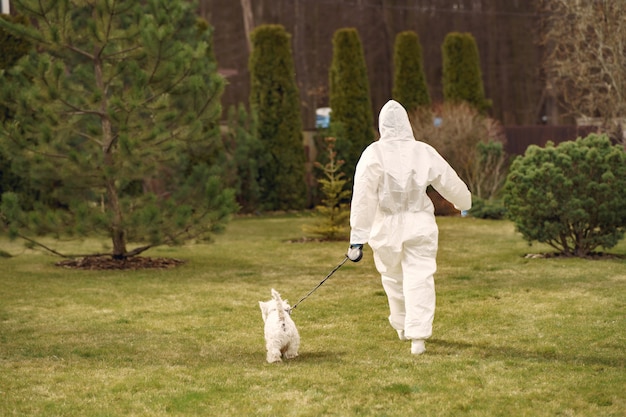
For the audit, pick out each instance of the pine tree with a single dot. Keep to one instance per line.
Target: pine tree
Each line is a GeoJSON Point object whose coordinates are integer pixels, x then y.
{"type": "Point", "coordinates": [462, 76]}
{"type": "Point", "coordinates": [410, 87]}
{"type": "Point", "coordinates": [275, 102]}
{"type": "Point", "coordinates": [351, 119]}
{"type": "Point", "coordinates": [12, 48]}
{"type": "Point", "coordinates": [110, 114]}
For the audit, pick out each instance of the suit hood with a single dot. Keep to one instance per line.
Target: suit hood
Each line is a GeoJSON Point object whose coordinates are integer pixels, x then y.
{"type": "Point", "coordinates": [393, 122]}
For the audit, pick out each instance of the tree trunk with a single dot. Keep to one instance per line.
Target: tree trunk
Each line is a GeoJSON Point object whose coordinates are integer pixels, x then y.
{"type": "Point", "coordinates": [112, 205]}
{"type": "Point", "coordinates": [248, 21]}
{"type": "Point", "coordinates": [117, 231]}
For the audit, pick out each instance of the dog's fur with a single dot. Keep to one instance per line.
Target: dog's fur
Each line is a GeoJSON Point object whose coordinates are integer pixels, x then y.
{"type": "Point", "coordinates": [281, 335]}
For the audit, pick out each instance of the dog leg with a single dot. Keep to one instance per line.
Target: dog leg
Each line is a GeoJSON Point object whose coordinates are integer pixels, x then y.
{"type": "Point", "coordinates": [291, 354]}
{"type": "Point", "coordinates": [273, 354]}
{"type": "Point", "coordinates": [292, 350]}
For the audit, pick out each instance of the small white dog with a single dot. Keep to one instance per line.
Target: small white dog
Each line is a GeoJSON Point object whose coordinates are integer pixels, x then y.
{"type": "Point", "coordinates": [281, 334]}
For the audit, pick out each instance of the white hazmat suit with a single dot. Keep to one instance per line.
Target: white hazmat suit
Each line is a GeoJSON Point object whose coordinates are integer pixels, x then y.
{"type": "Point", "coordinates": [391, 211]}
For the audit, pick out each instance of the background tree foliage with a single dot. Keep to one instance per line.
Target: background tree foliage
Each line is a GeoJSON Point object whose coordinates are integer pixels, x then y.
{"type": "Point", "coordinates": [244, 156]}
{"type": "Point", "coordinates": [409, 87]}
{"type": "Point", "coordinates": [351, 120]}
{"type": "Point", "coordinates": [462, 76]}
{"type": "Point", "coordinates": [274, 101]}
{"type": "Point", "coordinates": [116, 112]}
{"type": "Point", "coordinates": [585, 62]}
{"type": "Point", "coordinates": [571, 196]}
{"type": "Point", "coordinates": [472, 143]}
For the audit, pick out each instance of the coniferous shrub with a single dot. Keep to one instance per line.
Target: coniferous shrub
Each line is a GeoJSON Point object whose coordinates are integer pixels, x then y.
{"type": "Point", "coordinates": [462, 76]}
{"type": "Point", "coordinates": [409, 88]}
{"type": "Point", "coordinates": [333, 214]}
{"type": "Point", "coordinates": [109, 117]}
{"type": "Point", "coordinates": [487, 209]}
{"type": "Point", "coordinates": [275, 102]}
{"type": "Point", "coordinates": [569, 196]}
{"type": "Point", "coordinates": [245, 155]}
{"type": "Point", "coordinates": [351, 119]}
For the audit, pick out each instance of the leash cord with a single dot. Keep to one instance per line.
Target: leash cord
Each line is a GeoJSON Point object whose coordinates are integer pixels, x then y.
{"type": "Point", "coordinates": [318, 285]}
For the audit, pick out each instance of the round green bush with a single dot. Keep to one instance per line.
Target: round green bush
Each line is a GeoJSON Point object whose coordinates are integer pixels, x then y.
{"type": "Point", "coordinates": [569, 196]}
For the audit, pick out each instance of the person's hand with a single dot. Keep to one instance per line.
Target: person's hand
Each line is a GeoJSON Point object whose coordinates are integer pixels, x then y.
{"type": "Point", "coordinates": [464, 213]}
{"type": "Point", "coordinates": [355, 252]}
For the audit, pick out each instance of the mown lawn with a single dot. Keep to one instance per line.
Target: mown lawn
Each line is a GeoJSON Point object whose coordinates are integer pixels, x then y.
{"type": "Point", "coordinates": [512, 336]}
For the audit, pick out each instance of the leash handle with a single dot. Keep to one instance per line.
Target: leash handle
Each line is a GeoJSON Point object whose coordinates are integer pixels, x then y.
{"type": "Point", "coordinates": [319, 285]}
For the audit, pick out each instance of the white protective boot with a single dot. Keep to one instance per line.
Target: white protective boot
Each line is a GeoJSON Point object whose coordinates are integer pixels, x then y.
{"type": "Point", "coordinates": [418, 346]}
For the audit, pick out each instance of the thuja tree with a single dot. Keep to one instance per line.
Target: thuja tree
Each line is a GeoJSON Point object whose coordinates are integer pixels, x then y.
{"type": "Point", "coordinates": [569, 196]}
{"type": "Point", "coordinates": [110, 113]}
{"type": "Point", "coordinates": [462, 76]}
{"type": "Point", "coordinates": [409, 86]}
{"type": "Point", "coordinates": [351, 119]}
{"type": "Point", "coordinates": [274, 100]}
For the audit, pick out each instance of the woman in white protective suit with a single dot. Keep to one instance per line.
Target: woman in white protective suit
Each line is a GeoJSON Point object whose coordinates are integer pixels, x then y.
{"type": "Point", "coordinates": [391, 211]}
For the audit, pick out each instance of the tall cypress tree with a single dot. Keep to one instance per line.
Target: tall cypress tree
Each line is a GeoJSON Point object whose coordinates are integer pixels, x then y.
{"type": "Point", "coordinates": [351, 120]}
{"type": "Point", "coordinates": [110, 113]}
{"type": "Point", "coordinates": [409, 87]}
{"type": "Point", "coordinates": [275, 101]}
{"type": "Point", "coordinates": [462, 76]}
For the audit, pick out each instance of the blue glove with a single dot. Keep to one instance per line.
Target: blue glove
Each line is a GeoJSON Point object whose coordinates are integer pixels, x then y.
{"type": "Point", "coordinates": [355, 252]}
{"type": "Point", "coordinates": [464, 213]}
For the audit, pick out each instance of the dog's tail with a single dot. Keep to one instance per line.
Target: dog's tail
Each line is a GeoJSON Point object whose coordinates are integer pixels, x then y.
{"type": "Point", "coordinates": [279, 306]}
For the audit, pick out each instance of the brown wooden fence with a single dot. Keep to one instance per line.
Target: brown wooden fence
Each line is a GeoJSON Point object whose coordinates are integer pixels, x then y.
{"type": "Point", "coordinates": [518, 138]}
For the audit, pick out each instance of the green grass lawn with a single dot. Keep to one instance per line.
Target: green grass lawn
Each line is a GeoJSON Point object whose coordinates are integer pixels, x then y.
{"type": "Point", "coordinates": [512, 336]}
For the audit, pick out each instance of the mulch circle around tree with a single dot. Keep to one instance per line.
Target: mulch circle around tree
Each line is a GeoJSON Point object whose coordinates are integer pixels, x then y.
{"type": "Point", "coordinates": [108, 263]}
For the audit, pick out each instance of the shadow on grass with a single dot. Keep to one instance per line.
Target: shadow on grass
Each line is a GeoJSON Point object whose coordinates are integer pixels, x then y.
{"type": "Point", "coordinates": [547, 355]}
{"type": "Point", "coordinates": [321, 356]}
{"type": "Point", "coordinates": [258, 356]}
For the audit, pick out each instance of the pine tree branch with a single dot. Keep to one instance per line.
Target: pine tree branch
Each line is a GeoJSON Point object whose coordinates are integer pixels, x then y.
{"type": "Point", "coordinates": [167, 90]}
{"type": "Point", "coordinates": [118, 53]}
{"type": "Point", "coordinates": [77, 111]}
{"type": "Point", "coordinates": [79, 51]}
{"type": "Point", "coordinates": [138, 250]}
{"type": "Point", "coordinates": [41, 245]}
{"type": "Point", "coordinates": [90, 138]}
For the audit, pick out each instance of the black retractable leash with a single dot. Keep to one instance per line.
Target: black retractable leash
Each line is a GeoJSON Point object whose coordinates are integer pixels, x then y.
{"type": "Point", "coordinates": [318, 285]}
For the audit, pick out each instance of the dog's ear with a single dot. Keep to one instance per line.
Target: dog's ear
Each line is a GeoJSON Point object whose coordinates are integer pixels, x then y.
{"type": "Point", "coordinates": [263, 307]}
